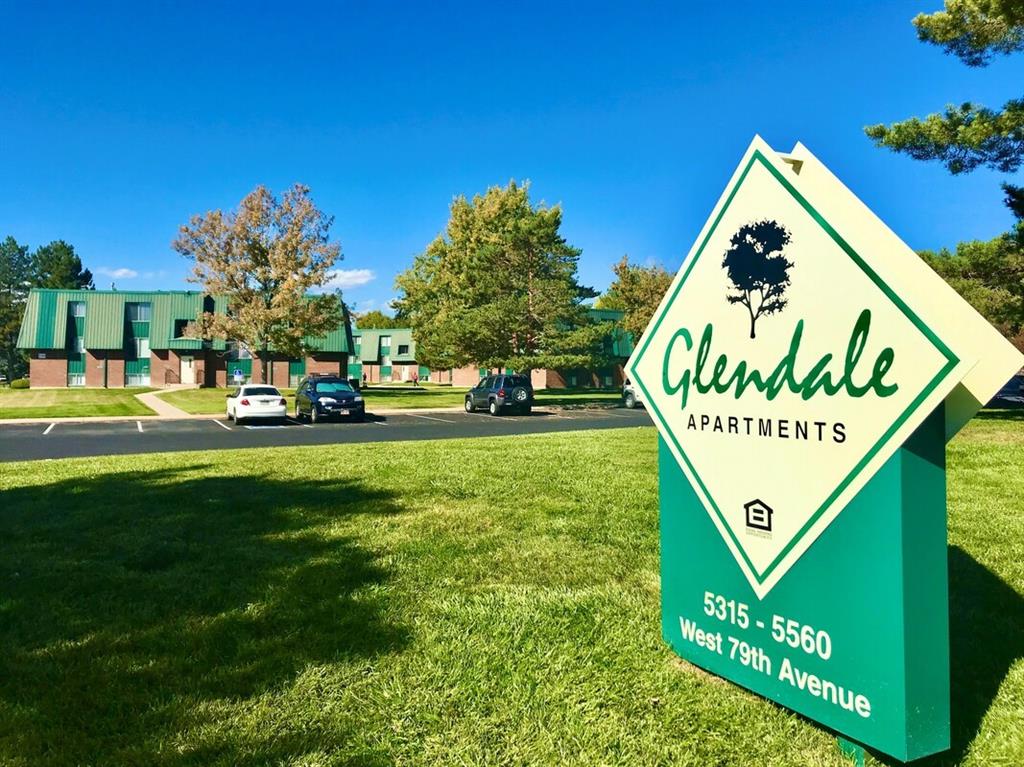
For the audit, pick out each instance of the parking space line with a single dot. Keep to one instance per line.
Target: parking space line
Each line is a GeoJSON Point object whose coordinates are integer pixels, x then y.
{"type": "Point", "coordinates": [139, 424]}
{"type": "Point", "coordinates": [49, 428]}
{"type": "Point", "coordinates": [617, 415]}
{"type": "Point", "coordinates": [299, 423]}
{"type": "Point", "coordinates": [430, 418]}
{"type": "Point", "coordinates": [379, 423]}
{"type": "Point", "coordinates": [222, 425]}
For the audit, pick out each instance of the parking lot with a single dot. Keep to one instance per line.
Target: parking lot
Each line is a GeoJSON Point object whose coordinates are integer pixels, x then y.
{"type": "Point", "coordinates": [33, 441]}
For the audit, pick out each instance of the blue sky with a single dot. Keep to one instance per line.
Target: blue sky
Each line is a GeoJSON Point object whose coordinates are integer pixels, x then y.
{"type": "Point", "coordinates": [119, 122]}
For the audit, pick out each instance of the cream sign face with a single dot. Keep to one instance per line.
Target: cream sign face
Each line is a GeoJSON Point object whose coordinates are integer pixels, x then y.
{"type": "Point", "coordinates": [782, 370]}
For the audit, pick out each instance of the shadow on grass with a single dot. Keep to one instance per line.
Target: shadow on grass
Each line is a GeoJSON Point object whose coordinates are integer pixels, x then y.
{"type": "Point", "coordinates": [986, 627]}
{"type": "Point", "coordinates": [1006, 411]}
{"type": "Point", "coordinates": [137, 611]}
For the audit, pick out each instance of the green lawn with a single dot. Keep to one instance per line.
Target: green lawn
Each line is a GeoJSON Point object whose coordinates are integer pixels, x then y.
{"type": "Point", "coordinates": [358, 605]}
{"type": "Point", "coordinates": [380, 398]}
{"type": "Point", "coordinates": [70, 403]}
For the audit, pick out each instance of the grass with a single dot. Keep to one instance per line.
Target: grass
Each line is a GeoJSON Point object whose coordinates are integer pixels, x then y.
{"type": "Point", "coordinates": [202, 401]}
{"type": "Point", "coordinates": [354, 605]}
{"type": "Point", "coordinates": [70, 403]}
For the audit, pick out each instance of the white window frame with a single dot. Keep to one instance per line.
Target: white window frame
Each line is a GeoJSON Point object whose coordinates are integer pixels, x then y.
{"type": "Point", "coordinates": [142, 350]}
{"type": "Point", "coordinates": [139, 308]}
{"type": "Point", "coordinates": [76, 308]}
{"type": "Point", "coordinates": [79, 345]}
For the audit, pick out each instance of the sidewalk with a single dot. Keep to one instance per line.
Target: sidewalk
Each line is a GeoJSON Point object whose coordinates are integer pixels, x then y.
{"type": "Point", "coordinates": [161, 407]}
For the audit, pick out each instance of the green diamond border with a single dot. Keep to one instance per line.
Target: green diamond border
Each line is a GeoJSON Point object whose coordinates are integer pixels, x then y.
{"type": "Point", "coordinates": [951, 362]}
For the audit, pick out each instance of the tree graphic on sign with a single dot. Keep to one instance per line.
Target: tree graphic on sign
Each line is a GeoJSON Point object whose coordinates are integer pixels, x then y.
{"type": "Point", "coordinates": [757, 269]}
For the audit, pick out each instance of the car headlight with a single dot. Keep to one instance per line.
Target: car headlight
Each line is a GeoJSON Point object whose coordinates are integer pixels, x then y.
{"type": "Point", "coordinates": [357, 398]}
{"type": "Point", "coordinates": [328, 401]}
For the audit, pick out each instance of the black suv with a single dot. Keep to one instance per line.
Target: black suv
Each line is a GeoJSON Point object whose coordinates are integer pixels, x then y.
{"type": "Point", "coordinates": [319, 397]}
{"type": "Point", "coordinates": [499, 393]}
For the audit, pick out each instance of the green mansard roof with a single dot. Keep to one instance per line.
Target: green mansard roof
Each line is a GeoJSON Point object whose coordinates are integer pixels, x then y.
{"type": "Point", "coordinates": [45, 321]}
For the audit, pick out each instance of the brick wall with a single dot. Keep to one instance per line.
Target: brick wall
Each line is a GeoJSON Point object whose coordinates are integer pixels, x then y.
{"type": "Point", "coordinates": [326, 363]}
{"type": "Point", "coordinates": [371, 372]}
{"type": "Point", "coordinates": [164, 367]}
{"type": "Point", "coordinates": [115, 369]}
{"type": "Point", "coordinates": [51, 371]}
{"type": "Point", "coordinates": [467, 376]}
{"type": "Point", "coordinates": [278, 369]}
{"type": "Point", "coordinates": [95, 362]}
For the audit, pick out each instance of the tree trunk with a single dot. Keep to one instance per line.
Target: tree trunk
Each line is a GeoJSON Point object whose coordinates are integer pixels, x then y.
{"type": "Point", "coordinates": [752, 321]}
{"type": "Point", "coordinates": [263, 363]}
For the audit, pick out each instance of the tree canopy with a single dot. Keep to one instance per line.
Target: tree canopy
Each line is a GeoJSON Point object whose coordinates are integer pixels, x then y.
{"type": "Point", "coordinates": [58, 266]}
{"type": "Point", "coordinates": [265, 258]}
{"type": "Point", "coordinates": [375, 318]}
{"type": "Point", "coordinates": [758, 269]}
{"type": "Point", "coordinates": [15, 279]}
{"type": "Point", "coordinates": [970, 136]}
{"type": "Point", "coordinates": [499, 288]}
{"type": "Point", "coordinates": [990, 276]}
{"type": "Point", "coordinates": [636, 291]}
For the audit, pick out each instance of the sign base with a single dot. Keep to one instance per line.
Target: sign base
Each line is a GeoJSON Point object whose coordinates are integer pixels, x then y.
{"type": "Point", "coordinates": [856, 634]}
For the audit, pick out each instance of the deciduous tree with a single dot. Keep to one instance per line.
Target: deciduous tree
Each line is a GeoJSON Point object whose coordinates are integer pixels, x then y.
{"type": "Point", "coordinates": [265, 258]}
{"type": "Point", "coordinates": [499, 288]}
{"type": "Point", "coordinates": [758, 269]}
{"type": "Point", "coordinates": [636, 291]}
{"type": "Point", "coordinates": [377, 319]}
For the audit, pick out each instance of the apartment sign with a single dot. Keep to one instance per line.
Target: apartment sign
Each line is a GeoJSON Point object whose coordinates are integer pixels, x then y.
{"type": "Point", "coordinates": [800, 353]}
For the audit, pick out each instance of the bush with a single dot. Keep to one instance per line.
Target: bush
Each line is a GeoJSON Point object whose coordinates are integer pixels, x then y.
{"type": "Point", "coordinates": [19, 383]}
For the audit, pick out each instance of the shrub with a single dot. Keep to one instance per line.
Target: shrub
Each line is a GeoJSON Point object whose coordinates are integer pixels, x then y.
{"type": "Point", "coordinates": [19, 383]}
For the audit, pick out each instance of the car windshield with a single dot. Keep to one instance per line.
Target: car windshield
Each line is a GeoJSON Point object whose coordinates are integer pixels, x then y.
{"type": "Point", "coordinates": [255, 391]}
{"type": "Point", "coordinates": [332, 387]}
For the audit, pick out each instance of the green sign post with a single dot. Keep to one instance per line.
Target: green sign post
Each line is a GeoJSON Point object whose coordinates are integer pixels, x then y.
{"type": "Point", "coordinates": [805, 370]}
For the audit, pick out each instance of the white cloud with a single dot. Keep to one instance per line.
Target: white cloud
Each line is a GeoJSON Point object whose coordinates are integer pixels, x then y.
{"type": "Point", "coordinates": [121, 273]}
{"type": "Point", "coordinates": [350, 278]}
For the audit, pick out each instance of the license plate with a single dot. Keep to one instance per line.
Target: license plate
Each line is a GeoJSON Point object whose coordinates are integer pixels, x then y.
{"type": "Point", "coordinates": [342, 412]}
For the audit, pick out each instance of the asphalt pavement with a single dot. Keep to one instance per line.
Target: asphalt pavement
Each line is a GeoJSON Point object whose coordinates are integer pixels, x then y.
{"type": "Point", "coordinates": [25, 442]}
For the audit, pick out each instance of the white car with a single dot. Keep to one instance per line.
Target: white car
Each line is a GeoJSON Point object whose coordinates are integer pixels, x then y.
{"type": "Point", "coordinates": [256, 402]}
{"type": "Point", "coordinates": [631, 395]}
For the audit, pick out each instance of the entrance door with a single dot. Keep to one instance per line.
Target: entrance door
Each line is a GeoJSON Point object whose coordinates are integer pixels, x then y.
{"type": "Point", "coordinates": [188, 371]}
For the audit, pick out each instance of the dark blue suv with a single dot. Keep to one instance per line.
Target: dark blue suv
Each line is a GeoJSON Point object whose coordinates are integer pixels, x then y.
{"type": "Point", "coordinates": [501, 393]}
{"type": "Point", "coordinates": [322, 397]}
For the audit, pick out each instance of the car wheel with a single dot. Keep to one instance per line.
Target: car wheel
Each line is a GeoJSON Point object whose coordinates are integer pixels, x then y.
{"type": "Point", "coordinates": [492, 408]}
{"type": "Point", "coordinates": [230, 416]}
{"type": "Point", "coordinates": [469, 404]}
{"type": "Point", "coordinates": [630, 400]}
{"type": "Point", "coordinates": [314, 416]}
{"type": "Point", "coordinates": [520, 395]}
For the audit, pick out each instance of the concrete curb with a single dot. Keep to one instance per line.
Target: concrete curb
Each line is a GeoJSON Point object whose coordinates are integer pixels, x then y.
{"type": "Point", "coordinates": [214, 416]}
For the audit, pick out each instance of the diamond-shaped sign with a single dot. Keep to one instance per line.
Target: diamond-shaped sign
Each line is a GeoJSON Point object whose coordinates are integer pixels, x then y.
{"type": "Point", "coordinates": [782, 369]}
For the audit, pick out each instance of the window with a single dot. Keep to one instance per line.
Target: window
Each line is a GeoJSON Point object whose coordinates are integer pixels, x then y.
{"type": "Point", "coordinates": [255, 391]}
{"type": "Point", "coordinates": [76, 379]}
{"type": "Point", "coordinates": [141, 348]}
{"type": "Point", "coordinates": [403, 349]}
{"type": "Point", "coordinates": [385, 340]}
{"type": "Point", "coordinates": [180, 328]}
{"type": "Point", "coordinates": [137, 379]}
{"type": "Point", "coordinates": [76, 308]}
{"type": "Point", "coordinates": [385, 360]}
{"type": "Point", "coordinates": [79, 345]}
{"type": "Point", "coordinates": [137, 312]}
{"type": "Point", "coordinates": [331, 387]}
